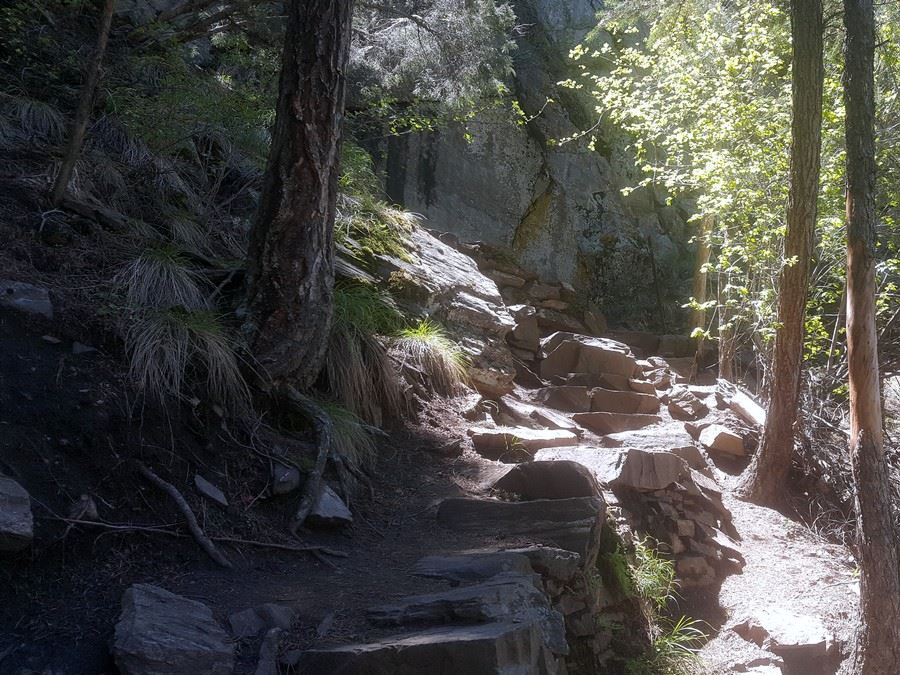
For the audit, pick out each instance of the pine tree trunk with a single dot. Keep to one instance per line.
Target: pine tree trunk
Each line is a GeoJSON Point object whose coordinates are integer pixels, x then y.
{"type": "Point", "coordinates": [85, 106]}
{"type": "Point", "coordinates": [766, 479]}
{"type": "Point", "coordinates": [727, 333]}
{"type": "Point", "coordinates": [877, 648]}
{"type": "Point", "coordinates": [291, 260]}
{"type": "Point", "coordinates": [698, 316]}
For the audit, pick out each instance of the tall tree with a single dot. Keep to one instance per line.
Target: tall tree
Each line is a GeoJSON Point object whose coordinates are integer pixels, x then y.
{"type": "Point", "coordinates": [85, 105]}
{"type": "Point", "coordinates": [291, 259]}
{"type": "Point", "coordinates": [877, 648]}
{"type": "Point", "coordinates": [767, 476]}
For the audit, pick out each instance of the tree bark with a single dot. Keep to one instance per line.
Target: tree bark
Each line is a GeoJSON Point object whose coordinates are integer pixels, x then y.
{"type": "Point", "coordinates": [877, 647]}
{"type": "Point", "coordinates": [85, 106]}
{"type": "Point", "coordinates": [727, 333]}
{"type": "Point", "coordinates": [291, 259]}
{"type": "Point", "coordinates": [698, 316]}
{"type": "Point", "coordinates": [766, 480]}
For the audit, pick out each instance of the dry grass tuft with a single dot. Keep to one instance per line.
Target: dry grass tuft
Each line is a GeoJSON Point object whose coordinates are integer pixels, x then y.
{"type": "Point", "coordinates": [161, 277]}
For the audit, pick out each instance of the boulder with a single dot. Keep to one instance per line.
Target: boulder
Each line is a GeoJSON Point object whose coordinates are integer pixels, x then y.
{"type": "Point", "coordinates": [649, 471]}
{"type": "Point", "coordinates": [539, 291]}
{"type": "Point", "coordinates": [513, 443]}
{"type": "Point", "coordinates": [26, 298]}
{"type": "Point", "coordinates": [694, 570]}
{"type": "Point", "coordinates": [554, 420]}
{"type": "Point", "coordinates": [16, 521]}
{"type": "Point", "coordinates": [552, 320]}
{"type": "Point", "coordinates": [330, 510]}
{"type": "Point", "coordinates": [502, 278]}
{"type": "Point", "coordinates": [507, 597]}
{"type": "Point", "coordinates": [525, 334]}
{"type": "Point", "coordinates": [567, 352]}
{"type": "Point", "coordinates": [160, 633]}
{"type": "Point", "coordinates": [642, 386]}
{"type": "Point", "coordinates": [566, 398]}
{"type": "Point", "coordinates": [784, 633]}
{"type": "Point", "coordinates": [611, 423]}
{"type": "Point", "coordinates": [603, 463]}
{"type": "Point", "coordinates": [664, 437]}
{"type": "Point", "coordinates": [267, 662]}
{"type": "Point", "coordinates": [548, 480]}
{"type": "Point", "coordinates": [498, 648]}
{"type": "Point", "coordinates": [684, 405]}
{"type": "Point", "coordinates": [721, 439]}
{"type": "Point", "coordinates": [285, 479]}
{"type": "Point", "coordinates": [607, 400]}
{"type": "Point", "coordinates": [570, 524]}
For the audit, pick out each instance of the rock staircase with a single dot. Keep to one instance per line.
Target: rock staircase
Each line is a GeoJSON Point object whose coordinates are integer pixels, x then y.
{"type": "Point", "coordinates": [590, 443]}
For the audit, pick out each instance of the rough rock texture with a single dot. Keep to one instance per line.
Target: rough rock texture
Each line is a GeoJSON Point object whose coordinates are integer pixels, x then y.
{"type": "Point", "coordinates": [26, 298]}
{"type": "Point", "coordinates": [16, 522]}
{"type": "Point", "coordinates": [160, 633]}
{"type": "Point", "coordinates": [557, 207]}
{"type": "Point", "coordinates": [548, 480]}
{"type": "Point", "coordinates": [501, 648]}
{"type": "Point", "coordinates": [566, 523]}
{"type": "Point", "coordinates": [611, 423]}
{"type": "Point", "coordinates": [566, 352]}
{"type": "Point", "coordinates": [608, 400]}
{"type": "Point", "coordinates": [330, 510]}
{"type": "Point", "coordinates": [722, 440]}
{"type": "Point", "coordinates": [503, 598]}
{"type": "Point", "coordinates": [440, 282]}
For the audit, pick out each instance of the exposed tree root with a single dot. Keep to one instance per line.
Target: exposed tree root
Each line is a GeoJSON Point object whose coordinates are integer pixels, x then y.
{"type": "Point", "coordinates": [196, 531]}
{"type": "Point", "coordinates": [324, 434]}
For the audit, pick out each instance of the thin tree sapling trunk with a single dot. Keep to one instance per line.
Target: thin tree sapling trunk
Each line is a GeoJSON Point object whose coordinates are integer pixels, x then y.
{"type": "Point", "coordinates": [85, 106]}
{"type": "Point", "coordinates": [877, 645]}
{"type": "Point", "coordinates": [766, 480]}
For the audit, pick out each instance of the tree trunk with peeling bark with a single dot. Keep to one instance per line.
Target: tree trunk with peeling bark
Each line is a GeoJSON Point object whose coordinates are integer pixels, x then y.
{"type": "Point", "coordinates": [877, 647]}
{"type": "Point", "coordinates": [766, 480]}
{"type": "Point", "coordinates": [291, 260]}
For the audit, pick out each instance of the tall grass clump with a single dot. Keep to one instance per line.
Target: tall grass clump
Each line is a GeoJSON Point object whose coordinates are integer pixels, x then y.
{"type": "Point", "coordinates": [358, 371]}
{"type": "Point", "coordinates": [429, 351]}
{"type": "Point", "coordinates": [169, 347]}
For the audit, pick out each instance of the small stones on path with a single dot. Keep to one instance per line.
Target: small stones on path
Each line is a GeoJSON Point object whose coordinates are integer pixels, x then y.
{"type": "Point", "coordinates": [330, 510]}
{"type": "Point", "coordinates": [210, 491]}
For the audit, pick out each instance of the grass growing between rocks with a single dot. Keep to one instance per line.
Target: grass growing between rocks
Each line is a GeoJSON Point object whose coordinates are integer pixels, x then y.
{"type": "Point", "coordinates": [426, 348]}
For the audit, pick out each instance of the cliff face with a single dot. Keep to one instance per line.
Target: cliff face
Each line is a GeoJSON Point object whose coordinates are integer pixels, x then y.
{"type": "Point", "coordinates": [558, 208]}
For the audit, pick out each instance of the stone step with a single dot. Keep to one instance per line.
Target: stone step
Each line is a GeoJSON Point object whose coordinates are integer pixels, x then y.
{"type": "Point", "coordinates": [611, 423]}
{"type": "Point", "coordinates": [507, 597]}
{"type": "Point", "coordinates": [512, 444]}
{"type": "Point", "coordinates": [565, 523]}
{"type": "Point", "coordinates": [565, 397]}
{"type": "Point", "coordinates": [608, 400]}
{"type": "Point", "coordinates": [548, 480]}
{"type": "Point", "coordinates": [501, 648]}
{"type": "Point", "coordinates": [566, 353]}
{"type": "Point", "coordinates": [473, 566]}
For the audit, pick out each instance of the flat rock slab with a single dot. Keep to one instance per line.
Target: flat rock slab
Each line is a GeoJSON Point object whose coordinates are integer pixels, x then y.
{"type": "Point", "coordinates": [502, 598]}
{"type": "Point", "coordinates": [503, 648]}
{"type": "Point", "coordinates": [566, 523]}
{"type": "Point", "coordinates": [785, 633]}
{"type": "Point", "coordinates": [565, 397]}
{"type": "Point", "coordinates": [666, 437]}
{"type": "Point", "coordinates": [647, 471]}
{"type": "Point", "coordinates": [722, 440]}
{"type": "Point", "coordinates": [516, 443]}
{"type": "Point", "coordinates": [160, 633]}
{"type": "Point", "coordinates": [561, 479]}
{"type": "Point", "coordinates": [26, 298]}
{"type": "Point", "coordinates": [603, 463]}
{"type": "Point", "coordinates": [611, 423]}
{"type": "Point", "coordinates": [210, 491]}
{"type": "Point", "coordinates": [473, 566]}
{"type": "Point", "coordinates": [16, 521]}
{"type": "Point", "coordinates": [609, 400]}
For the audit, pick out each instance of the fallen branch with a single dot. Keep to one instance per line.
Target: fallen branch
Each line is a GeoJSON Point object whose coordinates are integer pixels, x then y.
{"type": "Point", "coordinates": [196, 531]}
{"type": "Point", "coordinates": [160, 529]}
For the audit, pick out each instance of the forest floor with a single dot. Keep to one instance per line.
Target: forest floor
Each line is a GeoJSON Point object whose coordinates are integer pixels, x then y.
{"type": "Point", "coordinates": [65, 431]}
